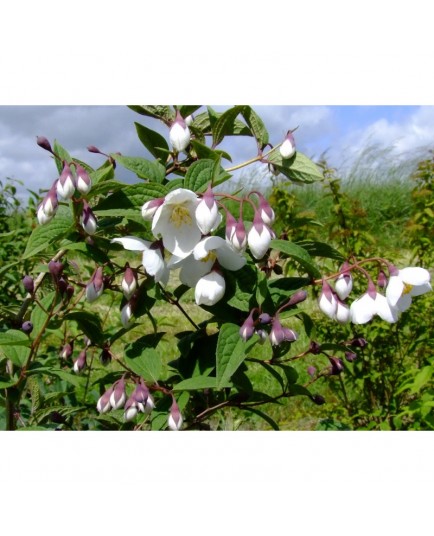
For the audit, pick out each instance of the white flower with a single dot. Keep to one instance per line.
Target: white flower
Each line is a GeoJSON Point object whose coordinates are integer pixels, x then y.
{"type": "Point", "coordinates": [287, 149]}
{"type": "Point", "coordinates": [210, 289]}
{"type": "Point", "coordinates": [84, 183]}
{"type": "Point", "coordinates": [43, 217]}
{"type": "Point", "coordinates": [126, 315]}
{"type": "Point", "coordinates": [342, 312]}
{"type": "Point", "coordinates": [344, 285]}
{"type": "Point", "coordinates": [363, 309]}
{"type": "Point", "coordinates": [327, 301]}
{"type": "Point", "coordinates": [88, 220]}
{"type": "Point", "coordinates": [152, 257]}
{"type": "Point", "coordinates": [66, 183]}
{"type": "Point", "coordinates": [207, 214]}
{"type": "Point", "coordinates": [179, 134]}
{"type": "Point", "coordinates": [259, 237]}
{"type": "Point", "coordinates": [175, 221]}
{"type": "Point", "coordinates": [406, 283]}
{"type": "Point", "coordinates": [386, 311]}
{"type": "Point", "coordinates": [130, 413]}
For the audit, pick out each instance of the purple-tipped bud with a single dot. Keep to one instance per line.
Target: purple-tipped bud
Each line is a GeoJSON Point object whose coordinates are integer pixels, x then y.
{"type": "Point", "coordinates": [44, 143]}
{"type": "Point", "coordinates": [27, 327]}
{"type": "Point", "coordinates": [55, 268]}
{"type": "Point", "coordinates": [231, 223]}
{"type": "Point", "coordinates": [259, 237]}
{"type": "Point", "coordinates": [327, 301]}
{"type": "Point", "coordinates": [126, 315]}
{"type": "Point", "coordinates": [248, 328]}
{"type": "Point", "coordinates": [314, 348]}
{"type": "Point", "coordinates": [141, 393]}
{"type": "Point", "coordinates": [382, 279]}
{"type": "Point", "coordinates": [28, 284]}
{"type": "Point", "coordinates": [42, 216]}
{"type": "Point", "coordinates": [175, 419]}
{"type": "Point", "coordinates": [95, 287]}
{"type": "Point", "coordinates": [50, 202]}
{"type": "Point", "coordinates": [67, 350]}
{"type": "Point", "coordinates": [239, 236]}
{"type": "Point", "coordinates": [287, 149]}
{"type": "Point", "coordinates": [151, 207]}
{"type": "Point", "coordinates": [264, 318]}
{"type": "Point", "coordinates": [207, 214]}
{"type": "Point", "coordinates": [297, 297]}
{"type": "Point", "coordinates": [344, 282]}
{"type": "Point", "coordinates": [337, 365]}
{"type": "Point", "coordinates": [262, 334]}
{"type": "Point", "coordinates": [129, 282]}
{"type": "Point", "coordinates": [130, 409]}
{"type": "Point", "coordinates": [265, 210]}
{"type": "Point", "coordinates": [88, 219]}
{"type": "Point", "coordinates": [279, 334]}
{"type": "Point", "coordinates": [84, 183]}
{"type": "Point", "coordinates": [66, 183]}
{"type": "Point", "coordinates": [311, 371]}
{"type": "Point", "coordinates": [80, 362]}
{"type": "Point", "coordinates": [318, 400]}
{"type": "Point", "coordinates": [103, 405]}
{"type": "Point", "coordinates": [179, 133]}
{"type": "Point", "coordinates": [358, 342]}
{"type": "Point", "coordinates": [93, 149]}
{"type": "Point", "coordinates": [350, 356]}
{"type": "Point", "coordinates": [105, 356]}
{"type": "Point", "coordinates": [118, 396]}
{"type": "Point", "coordinates": [62, 285]}
{"type": "Point", "coordinates": [69, 291]}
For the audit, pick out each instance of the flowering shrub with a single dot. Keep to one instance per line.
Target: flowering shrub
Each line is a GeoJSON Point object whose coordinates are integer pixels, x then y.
{"type": "Point", "coordinates": [86, 350]}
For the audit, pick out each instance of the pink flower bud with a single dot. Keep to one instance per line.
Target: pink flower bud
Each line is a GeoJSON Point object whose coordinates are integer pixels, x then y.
{"type": "Point", "coordinates": [337, 365]}
{"type": "Point", "coordinates": [67, 350]}
{"type": "Point", "coordinates": [44, 143]}
{"type": "Point", "coordinates": [280, 334]}
{"type": "Point", "coordinates": [50, 202]}
{"type": "Point", "coordinates": [231, 223]}
{"type": "Point", "coordinates": [382, 280]}
{"type": "Point", "coordinates": [311, 371]}
{"type": "Point", "coordinates": [265, 210]}
{"type": "Point", "coordinates": [103, 405]}
{"type": "Point", "coordinates": [287, 149]}
{"type": "Point", "coordinates": [66, 183]}
{"type": "Point", "coordinates": [259, 237]}
{"type": "Point", "coordinates": [344, 283]}
{"type": "Point", "coordinates": [327, 301]}
{"type": "Point", "coordinates": [175, 419]}
{"type": "Point", "coordinates": [84, 183]}
{"type": "Point", "coordinates": [131, 409]}
{"type": "Point", "coordinates": [27, 327]}
{"type": "Point", "coordinates": [55, 268]}
{"type": "Point", "coordinates": [150, 208]}
{"type": "Point", "coordinates": [126, 315]}
{"type": "Point", "coordinates": [179, 134]}
{"type": "Point", "coordinates": [88, 220]}
{"type": "Point", "coordinates": [80, 362]}
{"type": "Point", "coordinates": [93, 149]}
{"type": "Point", "coordinates": [207, 214]}
{"type": "Point", "coordinates": [28, 284]}
{"type": "Point", "coordinates": [95, 287]}
{"type": "Point", "coordinates": [297, 297]}
{"type": "Point", "coordinates": [129, 282]}
{"type": "Point", "coordinates": [118, 396]}
{"type": "Point", "coordinates": [248, 328]}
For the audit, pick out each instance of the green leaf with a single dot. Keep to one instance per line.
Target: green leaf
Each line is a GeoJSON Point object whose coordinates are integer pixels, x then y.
{"type": "Point", "coordinates": [203, 151]}
{"type": "Point", "coordinates": [148, 364]}
{"type": "Point", "coordinates": [264, 416]}
{"type": "Point", "coordinates": [321, 249]}
{"type": "Point", "coordinates": [187, 109]}
{"type": "Point", "coordinates": [153, 141]}
{"type": "Point", "coordinates": [240, 287]}
{"type": "Point", "coordinates": [422, 378]}
{"type": "Point", "coordinates": [69, 377]}
{"type": "Point", "coordinates": [225, 124]}
{"type": "Point", "coordinates": [173, 184]}
{"type": "Point", "coordinates": [198, 382]}
{"type": "Point", "coordinates": [281, 289]}
{"type": "Point", "coordinates": [89, 324]}
{"type": "Point", "coordinates": [162, 112]}
{"type": "Point", "coordinates": [63, 154]}
{"type": "Point", "coordinates": [199, 175]}
{"type": "Point", "coordinates": [39, 316]}
{"type": "Point", "coordinates": [14, 346]}
{"type": "Point", "coordinates": [298, 254]}
{"type": "Point", "coordinates": [132, 197]}
{"type": "Point", "coordinates": [256, 126]}
{"type": "Point", "coordinates": [106, 187]}
{"type": "Point", "coordinates": [103, 174]}
{"type": "Point", "coordinates": [143, 168]}
{"type": "Point", "coordinates": [299, 168]}
{"type": "Point", "coordinates": [43, 236]}
{"type": "Point", "coordinates": [231, 352]}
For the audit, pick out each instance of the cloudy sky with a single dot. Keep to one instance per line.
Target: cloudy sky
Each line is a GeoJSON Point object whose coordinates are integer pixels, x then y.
{"type": "Point", "coordinates": [343, 132]}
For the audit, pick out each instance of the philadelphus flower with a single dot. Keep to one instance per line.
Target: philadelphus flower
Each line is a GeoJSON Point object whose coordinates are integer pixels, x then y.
{"type": "Point", "coordinates": [179, 133]}
{"type": "Point", "coordinates": [287, 149]}
{"type": "Point", "coordinates": [279, 334]}
{"type": "Point", "coordinates": [103, 405]}
{"type": "Point", "coordinates": [118, 397]}
{"type": "Point", "coordinates": [129, 282]}
{"type": "Point", "coordinates": [66, 183]}
{"type": "Point", "coordinates": [48, 207]}
{"type": "Point", "coordinates": [88, 220]}
{"type": "Point", "coordinates": [150, 208]}
{"type": "Point", "coordinates": [406, 283]}
{"type": "Point", "coordinates": [95, 287]}
{"type": "Point", "coordinates": [152, 258]}
{"type": "Point", "coordinates": [207, 214]}
{"type": "Point", "coordinates": [372, 303]}
{"type": "Point", "coordinates": [210, 289]}
{"type": "Point", "coordinates": [327, 301]}
{"type": "Point", "coordinates": [344, 283]}
{"type": "Point", "coordinates": [175, 220]}
{"type": "Point", "coordinates": [84, 183]}
{"type": "Point", "coordinates": [175, 419]}
{"type": "Point", "coordinates": [259, 236]}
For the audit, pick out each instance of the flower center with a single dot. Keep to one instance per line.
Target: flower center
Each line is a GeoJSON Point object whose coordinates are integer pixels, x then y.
{"type": "Point", "coordinates": [210, 257]}
{"type": "Point", "coordinates": [180, 216]}
{"type": "Point", "coordinates": [407, 289]}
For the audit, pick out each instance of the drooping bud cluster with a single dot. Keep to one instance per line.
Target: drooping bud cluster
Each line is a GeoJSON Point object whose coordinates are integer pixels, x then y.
{"type": "Point", "coordinates": [398, 288]}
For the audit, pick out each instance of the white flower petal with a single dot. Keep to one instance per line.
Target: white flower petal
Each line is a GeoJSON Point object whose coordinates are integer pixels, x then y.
{"type": "Point", "coordinates": [210, 289]}
{"type": "Point", "coordinates": [394, 289]}
{"type": "Point", "coordinates": [362, 310]}
{"type": "Point", "coordinates": [328, 307]}
{"type": "Point", "coordinates": [210, 243]}
{"type": "Point", "coordinates": [343, 314]}
{"type": "Point", "coordinates": [420, 289]}
{"type": "Point", "coordinates": [403, 303]}
{"type": "Point", "coordinates": [192, 270]}
{"type": "Point", "coordinates": [385, 311]}
{"type": "Point", "coordinates": [229, 258]}
{"type": "Point", "coordinates": [132, 243]}
{"type": "Point", "coordinates": [414, 275]}
{"type": "Point", "coordinates": [153, 261]}
{"type": "Point", "coordinates": [181, 195]}
{"type": "Point", "coordinates": [259, 242]}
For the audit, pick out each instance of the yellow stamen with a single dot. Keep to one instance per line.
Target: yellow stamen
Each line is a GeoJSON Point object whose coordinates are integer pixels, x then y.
{"type": "Point", "coordinates": [407, 289]}
{"type": "Point", "coordinates": [210, 257]}
{"type": "Point", "coordinates": [180, 216]}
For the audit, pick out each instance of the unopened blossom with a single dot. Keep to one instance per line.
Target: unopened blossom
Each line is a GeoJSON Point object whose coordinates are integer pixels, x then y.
{"type": "Point", "coordinates": [238, 236]}
{"type": "Point", "coordinates": [152, 256]}
{"type": "Point", "coordinates": [327, 301]}
{"type": "Point", "coordinates": [67, 350]}
{"type": "Point", "coordinates": [28, 284]}
{"type": "Point", "coordinates": [80, 362]}
{"type": "Point", "coordinates": [264, 318]}
{"type": "Point", "coordinates": [265, 210]}
{"type": "Point", "coordinates": [259, 236]}
{"type": "Point", "coordinates": [175, 419]}
{"type": "Point", "coordinates": [189, 120]}
{"type": "Point", "coordinates": [262, 334]}
{"type": "Point", "coordinates": [103, 405]}
{"type": "Point", "coordinates": [382, 279]}
{"type": "Point", "coordinates": [287, 149]}
{"type": "Point", "coordinates": [48, 207]}
{"type": "Point", "coordinates": [95, 287]}
{"type": "Point", "coordinates": [179, 134]}
{"type": "Point", "coordinates": [343, 314]}
{"type": "Point", "coordinates": [280, 334]}
{"type": "Point", "coordinates": [337, 365]}
{"type": "Point", "coordinates": [207, 214]}
{"type": "Point", "coordinates": [83, 181]}
{"type": "Point", "coordinates": [42, 216]}
{"type": "Point", "coordinates": [202, 259]}
{"type": "Point", "coordinates": [344, 283]}
{"type": "Point", "coordinates": [363, 309]}
{"type": "Point", "coordinates": [118, 396]}
{"type": "Point", "coordinates": [129, 282]}
{"type": "Point", "coordinates": [406, 283]}
{"type": "Point", "coordinates": [150, 208]}
{"type": "Point", "coordinates": [126, 315]}
{"type": "Point", "coordinates": [175, 221]}
{"type": "Point", "coordinates": [311, 371]}
{"type": "Point", "coordinates": [248, 328]}
{"type": "Point", "coordinates": [66, 183]}
{"type": "Point", "coordinates": [130, 409]}
{"type": "Point", "coordinates": [210, 289]}
{"type": "Point", "coordinates": [88, 219]}
{"type": "Point", "coordinates": [27, 326]}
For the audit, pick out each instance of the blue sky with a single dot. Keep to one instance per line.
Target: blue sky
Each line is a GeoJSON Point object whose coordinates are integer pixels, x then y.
{"type": "Point", "coordinates": [343, 131]}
